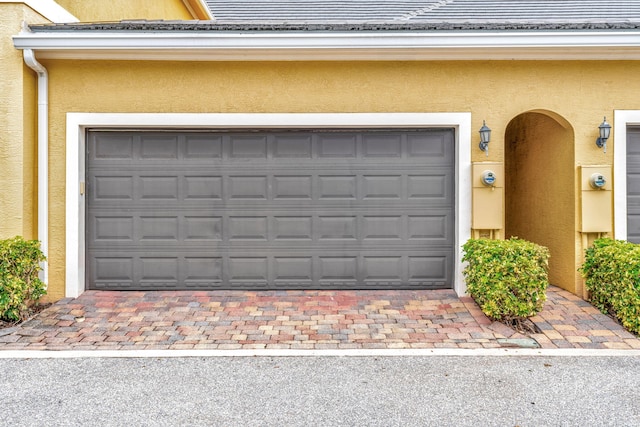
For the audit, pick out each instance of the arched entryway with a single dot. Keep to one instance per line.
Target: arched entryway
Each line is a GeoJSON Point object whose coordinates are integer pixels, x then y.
{"type": "Point", "coordinates": [540, 190]}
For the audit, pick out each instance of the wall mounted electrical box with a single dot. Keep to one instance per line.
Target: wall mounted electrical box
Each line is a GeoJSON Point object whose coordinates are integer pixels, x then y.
{"type": "Point", "coordinates": [596, 201]}
{"type": "Point", "coordinates": [488, 196]}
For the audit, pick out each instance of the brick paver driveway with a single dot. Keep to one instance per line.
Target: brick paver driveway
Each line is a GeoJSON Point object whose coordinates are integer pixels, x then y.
{"type": "Point", "coordinates": [302, 320]}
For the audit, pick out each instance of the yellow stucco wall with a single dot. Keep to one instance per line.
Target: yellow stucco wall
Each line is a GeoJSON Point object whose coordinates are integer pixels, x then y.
{"type": "Point", "coordinates": [17, 125]}
{"type": "Point", "coordinates": [580, 92]}
{"type": "Point", "coordinates": [117, 10]}
{"type": "Point", "coordinates": [540, 193]}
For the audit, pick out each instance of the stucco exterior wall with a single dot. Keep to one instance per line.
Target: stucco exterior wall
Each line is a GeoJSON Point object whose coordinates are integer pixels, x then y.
{"type": "Point", "coordinates": [30, 154]}
{"type": "Point", "coordinates": [117, 10]}
{"type": "Point", "coordinates": [580, 92]}
{"type": "Point", "coordinates": [540, 193]}
{"type": "Point", "coordinates": [17, 124]}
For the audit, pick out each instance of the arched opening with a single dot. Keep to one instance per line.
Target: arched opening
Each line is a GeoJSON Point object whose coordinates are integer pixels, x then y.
{"type": "Point", "coordinates": [540, 190]}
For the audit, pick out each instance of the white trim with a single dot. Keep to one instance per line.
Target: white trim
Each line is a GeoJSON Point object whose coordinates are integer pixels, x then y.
{"type": "Point", "coordinates": [49, 9]}
{"type": "Point", "coordinates": [622, 119]}
{"type": "Point", "coordinates": [77, 123]}
{"type": "Point", "coordinates": [75, 207]}
{"type": "Point", "coordinates": [203, 7]}
{"type": "Point", "coordinates": [436, 352]}
{"type": "Point", "coordinates": [386, 45]}
{"type": "Point", "coordinates": [43, 157]}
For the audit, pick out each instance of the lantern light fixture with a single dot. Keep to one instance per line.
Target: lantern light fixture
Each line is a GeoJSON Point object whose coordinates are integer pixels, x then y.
{"type": "Point", "coordinates": [605, 132]}
{"type": "Point", "coordinates": [485, 137]}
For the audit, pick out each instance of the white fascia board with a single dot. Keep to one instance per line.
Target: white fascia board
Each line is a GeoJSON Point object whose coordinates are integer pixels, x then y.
{"type": "Point", "coordinates": [222, 46]}
{"type": "Point", "coordinates": [49, 9]}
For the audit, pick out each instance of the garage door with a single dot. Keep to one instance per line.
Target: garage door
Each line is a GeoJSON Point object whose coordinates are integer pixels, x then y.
{"type": "Point", "coordinates": [264, 209]}
{"type": "Point", "coordinates": [633, 184]}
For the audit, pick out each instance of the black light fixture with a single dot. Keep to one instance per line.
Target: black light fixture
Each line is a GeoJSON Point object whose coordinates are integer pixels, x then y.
{"type": "Point", "coordinates": [605, 132]}
{"type": "Point", "coordinates": [485, 137]}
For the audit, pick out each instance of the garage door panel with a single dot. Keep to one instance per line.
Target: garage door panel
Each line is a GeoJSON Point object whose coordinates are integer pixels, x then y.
{"type": "Point", "coordinates": [275, 190]}
{"type": "Point", "coordinates": [112, 188]}
{"type": "Point", "coordinates": [158, 268]}
{"type": "Point", "coordinates": [203, 268]}
{"type": "Point", "coordinates": [247, 228]}
{"type": "Point", "coordinates": [337, 187]}
{"type": "Point", "coordinates": [633, 225]}
{"type": "Point", "coordinates": [246, 268]}
{"type": "Point", "coordinates": [202, 147]}
{"type": "Point", "coordinates": [111, 229]}
{"type": "Point", "coordinates": [201, 188]}
{"type": "Point", "coordinates": [297, 146]}
{"type": "Point", "coordinates": [633, 179]}
{"type": "Point", "coordinates": [382, 187]}
{"type": "Point", "coordinates": [337, 227]}
{"type": "Point", "coordinates": [155, 228]}
{"type": "Point", "coordinates": [293, 268]}
{"type": "Point", "coordinates": [432, 147]}
{"type": "Point", "coordinates": [286, 228]}
{"type": "Point", "coordinates": [111, 145]}
{"type": "Point", "coordinates": [288, 187]}
{"type": "Point", "coordinates": [107, 229]}
{"type": "Point", "coordinates": [385, 145]}
{"type": "Point", "coordinates": [383, 227]}
{"type": "Point", "coordinates": [158, 187]}
{"type": "Point", "coordinates": [247, 187]}
{"type": "Point", "coordinates": [270, 209]}
{"type": "Point", "coordinates": [194, 229]}
{"type": "Point", "coordinates": [248, 146]}
{"type": "Point", "coordinates": [633, 184]}
{"type": "Point", "coordinates": [435, 187]}
{"type": "Point", "coordinates": [426, 268]}
{"type": "Point", "coordinates": [385, 268]}
{"type": "Point", "coordinates": [436, 148]}
{"type": "Point", "coordinates": [113, 269]}
{"type": "Point", "coordinates": [337, 145]}
{"type": "Point", "coordinates": [199, 228]}
{"type": "Point", "coordinates": [301, 268]}
{"type": "Point", "coordinates": [159, 146]}
{"type": "Point", "coordinates": [434, 227]}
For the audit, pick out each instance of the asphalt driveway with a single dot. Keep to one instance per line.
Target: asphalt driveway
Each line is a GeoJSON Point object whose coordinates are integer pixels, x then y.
{"type": "Point", "coordinates": [326, 391]}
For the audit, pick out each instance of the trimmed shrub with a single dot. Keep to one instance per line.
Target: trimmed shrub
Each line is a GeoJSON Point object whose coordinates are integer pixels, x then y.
{"type": "Point", "coordinates": [507, 278]}
{"type": "Point", "coordinates": [20, 286]}
{"type": "Point", "coordinates": [612, 272]}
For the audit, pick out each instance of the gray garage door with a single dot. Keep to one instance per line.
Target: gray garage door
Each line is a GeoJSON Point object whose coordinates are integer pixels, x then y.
{"type": "Point", "coordinates": [633, 184]}
{"type": "Point", "coordinates": [299, 209]}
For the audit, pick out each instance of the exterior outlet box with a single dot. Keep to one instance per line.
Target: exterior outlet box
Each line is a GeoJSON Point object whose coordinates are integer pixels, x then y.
{"type": "Point", "coordinates": [596, 199]}
{"type": "Point", "coordinates": [488, 196]}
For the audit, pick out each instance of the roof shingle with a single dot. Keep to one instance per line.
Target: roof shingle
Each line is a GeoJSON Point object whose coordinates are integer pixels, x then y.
{"type": "Point", "coordinates": [331, 11]}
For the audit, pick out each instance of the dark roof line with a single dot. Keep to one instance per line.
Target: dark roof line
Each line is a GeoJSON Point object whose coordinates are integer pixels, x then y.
{"type": "Point", "coordinates": [204, 26]}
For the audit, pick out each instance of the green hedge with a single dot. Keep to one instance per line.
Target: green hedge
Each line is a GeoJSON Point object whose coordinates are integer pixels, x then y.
{"type": "Point", "coordinates": [507, 278]}
{"type": "Point", "coordinates": [20, 287]}
{"type": "Point", "coordinates": [612, 273]}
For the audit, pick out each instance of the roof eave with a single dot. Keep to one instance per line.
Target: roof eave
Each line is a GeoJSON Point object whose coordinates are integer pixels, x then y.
{"type": "Point", "coordinates": [282, 46]}
{"type": "Point", "coordinates": [198, 9]}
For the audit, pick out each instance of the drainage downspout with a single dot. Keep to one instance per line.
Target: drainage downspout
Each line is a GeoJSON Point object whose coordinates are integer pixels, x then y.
{"type": "Point", "coordinates": [43, 157]}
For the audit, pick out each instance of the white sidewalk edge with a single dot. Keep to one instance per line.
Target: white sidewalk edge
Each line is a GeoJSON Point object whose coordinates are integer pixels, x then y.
{"type": "Point", "coordinates": [74, 354]}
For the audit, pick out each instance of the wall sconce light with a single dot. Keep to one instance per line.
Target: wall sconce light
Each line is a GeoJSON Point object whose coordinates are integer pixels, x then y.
{"type": "Point", "coordinates": [485, 137]}
{"type": "Point", "coordinates": [605, 132]}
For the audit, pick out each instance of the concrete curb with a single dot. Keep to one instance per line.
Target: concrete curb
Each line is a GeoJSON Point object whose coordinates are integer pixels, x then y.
{"type": "Point", "coordinates": [509, 352]}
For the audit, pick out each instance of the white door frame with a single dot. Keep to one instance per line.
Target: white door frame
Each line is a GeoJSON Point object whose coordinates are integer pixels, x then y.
{"type": "Point", "coordinates": [79, 123]}
{"type": "Point", "coordinates": [622, 119]}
